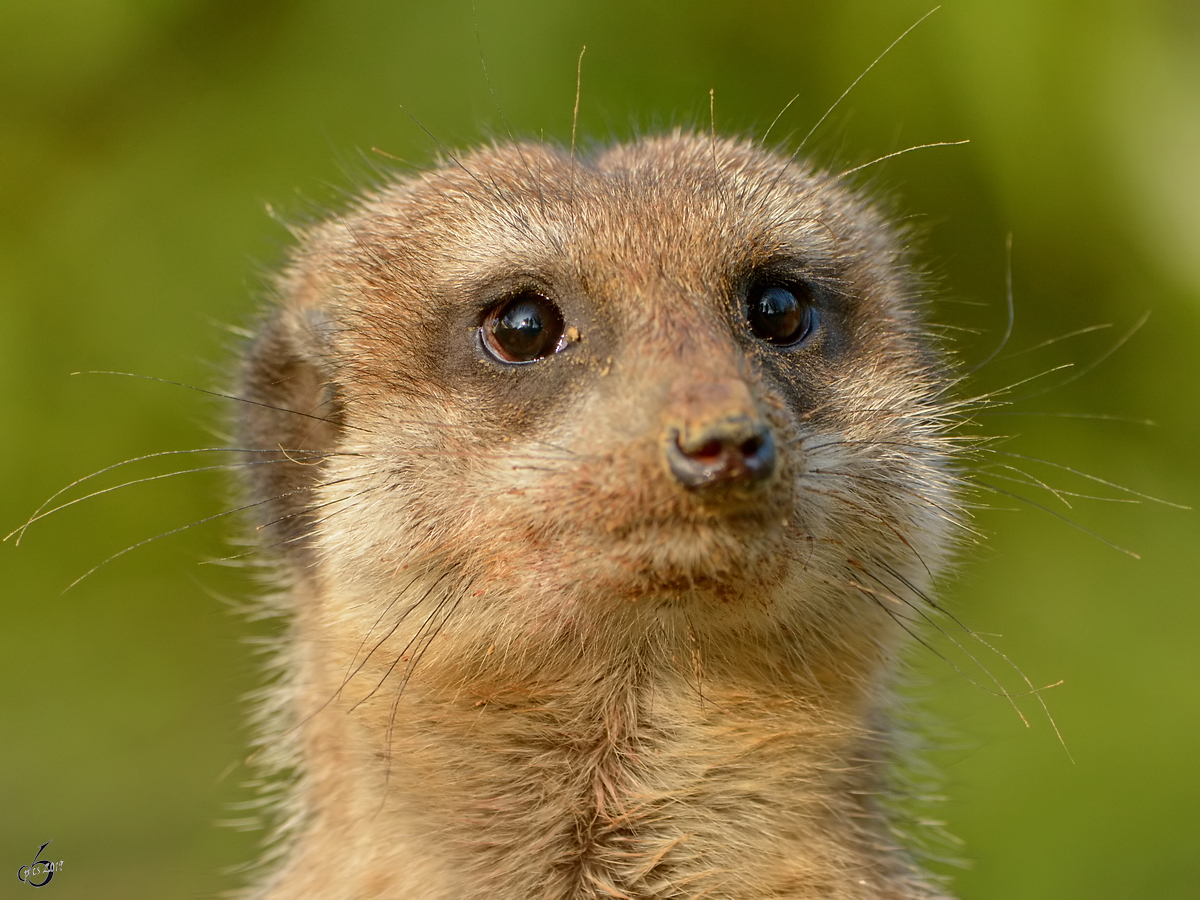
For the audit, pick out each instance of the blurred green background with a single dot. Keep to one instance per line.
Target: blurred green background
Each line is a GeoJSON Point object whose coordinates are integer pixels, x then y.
{"type": "Point", "coordinates": [142, 142]}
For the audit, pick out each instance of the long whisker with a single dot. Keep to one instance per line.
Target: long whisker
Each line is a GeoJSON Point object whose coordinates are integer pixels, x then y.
{"type": "Point", "coordinates": [946, 514]}
{"type": "Point", "coordinates": [575, 111]}
{"type": "Point", "coordinates": [1085, 475]}
{"type": "Point", "coordinates": [1003, 691]}
{"type": "Point", "coordinates": [1035, 691]}
{"type": "Point", "coordinates": [224, 467]}
{"type": "Point", "coordinates": [1010, 309]}
{"type": "Point", "coordinates": [351, 671]}
{"type": "Point", "coordinates": [861, 76]}
{"type": "Point", "coordinates": [412, 665]}
{"type": "Point", "coordinates": [1098, 360]}
{"type": "Point", "coordinates": [762, 142]}
{"type": "Point", "coordinates": [1017, 476]}
{"type": "Point", "coordinates": [350, 674]}
{"type": "Point", "coordinates": [906, 624]}
{"type": "Point", "coordinates": [149, 540]}
{"type": "Point", "coordinates": [408, 646]}
{"type": "Point", "coordinates": [998, 490]}
{"type": "Point", "coordinates": [223, 396]}
{"type": "Point", "coordinates": [36, 513]}
{"type": "Point", "coordinates": [1094, 417]}
{"type": "Point", "coordinates": [896, 533]}
{"type": "Point", "coordinates": [202, 521]}
{"type": "Point", "coordinates": [847, 172]}
{"type": "Point", "coordinates": [1049, 342]}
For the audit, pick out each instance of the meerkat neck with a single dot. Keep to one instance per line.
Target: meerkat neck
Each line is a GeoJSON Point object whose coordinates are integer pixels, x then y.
{"type": "Point", "coordinates": [592, 774]}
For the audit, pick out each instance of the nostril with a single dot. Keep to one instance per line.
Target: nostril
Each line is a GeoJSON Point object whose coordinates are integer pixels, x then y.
{"type": "Point", "coordinates": [758, 454]}
{"type": "Point", "coordinates": [712, 450]}
{"type": "Point", "coordinates": [751, 447]}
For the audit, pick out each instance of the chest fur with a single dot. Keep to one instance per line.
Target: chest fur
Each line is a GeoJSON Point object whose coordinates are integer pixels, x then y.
{"type": "Point", "coordinates": [656, 791]}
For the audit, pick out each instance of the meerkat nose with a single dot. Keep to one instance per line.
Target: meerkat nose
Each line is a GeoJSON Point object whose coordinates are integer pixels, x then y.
{"type": "Point", "coordinates": [735, 450]}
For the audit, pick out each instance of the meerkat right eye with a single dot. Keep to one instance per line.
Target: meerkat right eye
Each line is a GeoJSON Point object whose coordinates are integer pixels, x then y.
{"type": "Point", "coordinates": [783, 315]}
{"type": "Point", "coordinates": [523, 329]}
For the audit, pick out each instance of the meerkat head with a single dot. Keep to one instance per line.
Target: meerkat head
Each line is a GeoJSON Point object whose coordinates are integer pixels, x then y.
{"type": "Point", "coordinates": [683, 380]}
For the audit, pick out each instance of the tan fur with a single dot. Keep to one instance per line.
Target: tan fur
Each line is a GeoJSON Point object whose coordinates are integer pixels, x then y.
{"type": "Point", "coordinates": [522, 660]}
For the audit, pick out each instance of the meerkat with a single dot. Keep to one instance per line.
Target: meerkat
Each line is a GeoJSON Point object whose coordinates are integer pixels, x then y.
{"type": "Point", "coordinates": [602, 494]}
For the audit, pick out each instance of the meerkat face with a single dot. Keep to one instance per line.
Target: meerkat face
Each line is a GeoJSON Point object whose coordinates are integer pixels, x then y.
{"type": "Point", "coordinates": [686, 374]}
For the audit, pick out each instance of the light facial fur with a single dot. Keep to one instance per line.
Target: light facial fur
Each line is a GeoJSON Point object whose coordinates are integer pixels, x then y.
{"type": "Point", "coordinates": [618, 620]}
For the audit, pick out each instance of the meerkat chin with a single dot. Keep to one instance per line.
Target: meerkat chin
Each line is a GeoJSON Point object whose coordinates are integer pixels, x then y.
{"type": "Point", "coordinates": [602, 492]}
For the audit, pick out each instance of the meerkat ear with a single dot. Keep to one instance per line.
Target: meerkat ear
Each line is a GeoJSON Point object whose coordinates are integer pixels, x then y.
{"type": "Point", "coordinates": [290, 422]}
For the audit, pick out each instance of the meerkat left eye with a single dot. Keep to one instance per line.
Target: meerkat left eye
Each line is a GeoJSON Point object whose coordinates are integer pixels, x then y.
{"type": "Point", "coordinates": [783, 315]}
{"type": "Point", "coordinates": [523, 329]}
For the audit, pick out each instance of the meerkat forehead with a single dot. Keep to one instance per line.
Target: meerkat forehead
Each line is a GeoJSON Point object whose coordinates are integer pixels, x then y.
{"type": "Point", "coordinates": [682, 211]}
